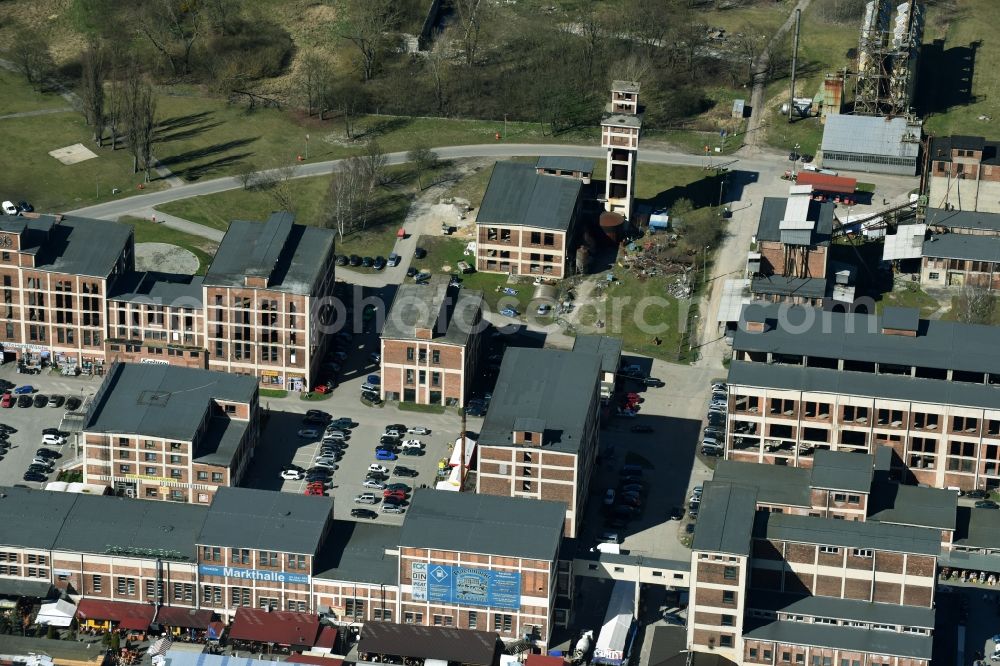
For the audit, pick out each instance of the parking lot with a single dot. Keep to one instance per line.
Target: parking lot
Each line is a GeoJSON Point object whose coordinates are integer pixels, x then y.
{"type": "Point", "coordinates": [281, 447]}
{"type": "Point", "coordinates": [30, 421]}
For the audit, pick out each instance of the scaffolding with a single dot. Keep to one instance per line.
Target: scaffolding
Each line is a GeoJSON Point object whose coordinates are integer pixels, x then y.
{"type": "Point", "coordinates": [887, 57]}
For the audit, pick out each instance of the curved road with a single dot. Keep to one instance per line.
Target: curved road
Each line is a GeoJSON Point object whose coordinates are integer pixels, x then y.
{"type": "Point", "coordinates": [130, 205]}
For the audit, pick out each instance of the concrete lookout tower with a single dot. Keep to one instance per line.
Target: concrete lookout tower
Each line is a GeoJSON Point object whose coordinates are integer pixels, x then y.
{"type": "Point", "coordinates": [620, 128]}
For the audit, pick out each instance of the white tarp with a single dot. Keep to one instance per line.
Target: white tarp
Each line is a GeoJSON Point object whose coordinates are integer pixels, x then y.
{"type": "Point", "coordinates": [57, 614]}
{"type": "Point", "coordinates": [612, 642]}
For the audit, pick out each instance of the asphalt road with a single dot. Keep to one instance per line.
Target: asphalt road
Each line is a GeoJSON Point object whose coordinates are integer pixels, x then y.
{"type": "Point", "coordinates": [131, 204]}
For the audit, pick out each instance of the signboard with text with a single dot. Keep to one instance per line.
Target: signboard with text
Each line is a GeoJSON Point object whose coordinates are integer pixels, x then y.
{"type": "Point", "coordinates": [461, 585]}
{"type": "Point", "coordinates": [260, 575]}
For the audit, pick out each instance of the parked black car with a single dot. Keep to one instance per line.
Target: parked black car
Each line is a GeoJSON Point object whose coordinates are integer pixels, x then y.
{"type": "Point", "coordinates": [379, 263]}
{"type": "Point", "coordinates": [354, 260]}
{"type": "Point", "coordinates": [364, 513]}
{"type": "Point", "coordinates": [400, 470]}
{"type": "Point", "coordinates": [367, 262]}
{"type": "Point", "coordinates": [73, 403]}
{"type": "Point", "coordinates": [342, 260]}
{"type": "Point", "coordinates": [40, 400]}
{"type": "Point", "coordinates": [24, 401]}
{"type": "Point", "coordinates": [37, 477]}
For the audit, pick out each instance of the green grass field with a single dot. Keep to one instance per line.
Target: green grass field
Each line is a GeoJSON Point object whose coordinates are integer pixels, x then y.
{"type": "Point", "coordinates": [946, 108]}
{"type": "Point", "coordinates": [908, 296]}
{"type": "Point", "coordinates": [447, 251]}
{"type": "Point", "coordinates": [150, 232]}
{"type": "Point", "coordinates": [19, 97]}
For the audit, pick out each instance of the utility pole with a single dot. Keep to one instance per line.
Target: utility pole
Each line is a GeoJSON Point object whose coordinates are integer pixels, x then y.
{"type": "Point", "coordinates": [795, 57]}
{"type": "Point", "coordinates": [461, 456]}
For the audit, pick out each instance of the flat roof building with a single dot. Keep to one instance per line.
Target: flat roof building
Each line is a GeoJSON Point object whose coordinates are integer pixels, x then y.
{"type": "Point", "coordinates": [527, 222]}
{"type": "Point", "coordinates": [430, 343]}
{"type": "Point", "coordinates": [803, 380]}
{"type": "Point", "coordinates": [539, 438]}
{"type": "Point", "coordinates": [170, 433]}
{"type": "Point", "coordinates": [873, 144]}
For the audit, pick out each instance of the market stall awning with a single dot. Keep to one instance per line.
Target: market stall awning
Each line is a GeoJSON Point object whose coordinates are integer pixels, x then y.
{"type": "Point", "coordinates": [185, 618]}
{"type": "Point", "coordinates": [327, 638]}
{"type": "Point", "coordinates": [278, 627]}
{"type": "Point", "coordinates": [56, 614]}
{"type": "Point", "coordinates": [136, 617]}
{"type": "Point", "coordinates": [313, 660]}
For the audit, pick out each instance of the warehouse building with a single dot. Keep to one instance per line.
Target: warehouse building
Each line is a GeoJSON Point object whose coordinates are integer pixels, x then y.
{"type": "Point", "coordinates": [964, 174]}
{"type": "Point", "coordinates": [171, 433]}
{"type": "Point", "coordinates": [460, 560]}
{"type": "Point", "coordinates": [803, 380]}
{"type": "Point", "coordinates": [872, 144]}
{"type": "Point", "coordinates": [963, 248]}
{"type": "Point", "coordinates": [829, 565]}
{"type": "Point", "coordinates": [539, 439]}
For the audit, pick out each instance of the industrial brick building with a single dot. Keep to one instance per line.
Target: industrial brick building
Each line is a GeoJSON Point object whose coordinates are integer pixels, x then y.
{"type": "Point", "coordinates": [964, 174]}
{"type": "Point", "coordinates": [527, 223]}
{"type": "Point", "coordinates": [803, 380]}
{"type": "Point", "coordinates": [482, 562]}
{"type": "Point", "coordinates": [962, 248]}
{"type": "Point", "coordinates": [266, 295]}
{"type": "Point", "coordinates": [170, 433]}
{"type": "Point", "coordinates": [74, 298]}
{"type": "Point", "coordinates": [872, 144]}
{"type": "Point", "coordinates": [789, 263]}
{"type": "Point", "coordinates": [539, 439]}
{"type": "Point", "coordinates": [430, 343]}
{"type": "Point", "coordinates": [835, 564]}
{"type": "Point", "coordinates": [459, 560]}
{"type": "Point", "coordinates": [57, 273]}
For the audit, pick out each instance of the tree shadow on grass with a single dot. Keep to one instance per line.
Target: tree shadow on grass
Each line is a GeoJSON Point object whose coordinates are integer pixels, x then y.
{"type": "Point", "coordinates": [205, 151]}
{"type": "Point", "coordinates": [382, 127]}
{"type": "Point", "coordinates": [197, 171]}
{"type": "Point", "coordinates": [188, 133]}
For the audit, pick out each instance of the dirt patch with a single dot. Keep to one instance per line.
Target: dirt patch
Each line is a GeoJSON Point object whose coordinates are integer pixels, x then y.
{"type": "Point", "coordinates": [165, 258]}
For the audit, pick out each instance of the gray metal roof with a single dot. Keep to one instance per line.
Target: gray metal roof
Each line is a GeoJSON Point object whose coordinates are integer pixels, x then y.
{"type": "Point", "coordinates": [807, 331]}
{"type": "Point", "coordinates": [266, 520]}
{"type": "Point", "coordinates": [32, 518]}
{"type": "Point", "coordinates": [220, 441]}
{"type": "Point", "coordinates": [977, 528]}
{"type": "Point", "coordinates": [356, 552]}
{"type": "Point", "coordinates": [842, 609]}
{"type": "Point", "coordinates": [962, 246]}
{"type": "Point", "coordinates": [958, 559]}
{"type": "Point", "coordinates": [448, 644]}
{"type": "Point", "coordinates": [775, 484]}
{"type": "Point", "coordinates": [621, 119]}
{"type": "Point", "coordinates": [163, 400]}
{"type": "Point", "coordinates": [516, 195]}
{"type": "Point", "coordinates": [609, 349]}
{"type": "Point", "coordinates": [963, 219]}
{"type": "Point", "coordinates": [96, 524]}
{"type": "Point", "coordinates": [485, 524]}
{"type": "Point", "coordinates": [13, 587]}
{"type": "Point", "coordinates": [168, 289]}
{"type": "Point", "coordinates": [837, 382]}
{"type": "Point", "coordinates": [902, 319]}
{"type": "Point", "coordinates": [529, 424]}
{"type": "Point", "coordinates": [74, 245]}
{"type": "Point", "coordinates": [450, 313]}
{"type": "Point", "coordinates": [782, 285]}
{"type": "Point", "coordinates": [725, 519]}
{"type": "Point", "coordinates": [870, 135]}
{"type": "Point", "coordinates": [846, 533]}
{"type": "Point", "coordinates": [553, 385]}
{"type": "Point", "coordinates": [290, 255]}
{"type": "Point", "coordinates": [772, 212]}
{"type": "Point", "coordinates": [912, 505]}
{"type": "Point", "coordinates": [581, 164]}
{"type": "Point", "coordinates": [840, 470]}
{"type": "Point", "coordinates": [869, 641]}
{"type": "Point", "coordinates": [625, 86]}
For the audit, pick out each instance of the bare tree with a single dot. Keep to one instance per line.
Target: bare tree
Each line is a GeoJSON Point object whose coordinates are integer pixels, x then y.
{"type": "Point", "coordinates": [348, 97]}
{"type": "Point", "coordinates": [31, 56]}
{"type": "Point", "coordinates": [749, 44]}
{"type": "Point", "coordinates": [374, 161]}
{"type": "Point", "coordinates": [172, 28]}
{"type": "Point", "coordinates": [248, 175]}
{"type": "Point", "coordinates": [138, 115]}
{"type": "Point", "coordinates": [436, 62]}
{"type": "Point", "coordinates": [424, 159]}
{"type": "Point", "coordinates": [975, 305]}
{"type": "Point", "coordinates": [115, 111]}
{"type": "Point", "coordinates": [472, 14]}
{"type": "Point", "coordinates": [345, 197]}
{"type": "Point", "coordinates": [313, 80]}
{"type": "Point", "coordinates": [366, 24]}
{"type": "Point", "coordinates": [93, 72]}
{"type": "Point", "coordinates": [279, 186]}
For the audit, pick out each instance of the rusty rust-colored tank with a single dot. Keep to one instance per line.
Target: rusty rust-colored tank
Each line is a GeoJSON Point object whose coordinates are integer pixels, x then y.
{"type": "Point", "coordinates": [612, 227]}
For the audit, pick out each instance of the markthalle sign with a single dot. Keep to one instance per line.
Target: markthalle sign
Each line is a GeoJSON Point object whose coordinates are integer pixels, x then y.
{"type": "Point", "coordinates": [259, 575]}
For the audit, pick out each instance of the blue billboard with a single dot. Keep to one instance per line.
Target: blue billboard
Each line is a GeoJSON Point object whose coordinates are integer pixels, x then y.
{"type": "Point", "coordinates": [461, 585]}
{"type": "Point", "coordinates": [253, 574]}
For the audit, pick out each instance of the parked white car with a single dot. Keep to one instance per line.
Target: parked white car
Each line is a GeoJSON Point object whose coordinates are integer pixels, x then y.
{"type": "Point", "coordinates": [381, 469]}
{"type": "Point", "coordinates": [53, 439]}
{"type": "Point", "coordinates": [9, 208]}
{"type": "Point", "coordinates": [418, 430]}
{"type": "Point", "coordinates": [412, 444]}
{"type": "Point", "coordinates": [291, 475]}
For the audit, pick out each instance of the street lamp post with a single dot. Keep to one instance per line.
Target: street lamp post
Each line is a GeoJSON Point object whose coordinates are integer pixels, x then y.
{"type": "Point", "coordinates": [704, 264]}
{"type": "Point", "coordinates": [795, 162]}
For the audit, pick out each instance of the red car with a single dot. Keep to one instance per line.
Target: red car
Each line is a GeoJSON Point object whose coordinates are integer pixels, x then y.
{"type": "Point", "coordinates": [315, 489]}
{"type": "Point", "coordinates": [633, 397]}
{"type": "Point", "coordinates": [322, 388]}
{"type": "Point", "coordinates": [395, 494]}
{"type": "Point", "coordinates": [7, 400]}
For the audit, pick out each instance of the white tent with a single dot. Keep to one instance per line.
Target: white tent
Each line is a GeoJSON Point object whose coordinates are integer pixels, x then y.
{"type": "Point", "coordinates": [56, 614]}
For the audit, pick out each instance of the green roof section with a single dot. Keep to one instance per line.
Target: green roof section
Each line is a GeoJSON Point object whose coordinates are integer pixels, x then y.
{"type": "Point", "coordinates": [842, 609]}
{"type": "Point", "coordinates": [919, 506]}
{"type": "Point", "coordinates": [871, 641]}
{"type": "Point", "coordinates": [581, 164]}
{"type": "Point", "coordinates": [518, 196]}
{"type": "Point", "coordinates": [846, 533]}
{"type": "Point", "coordinates": [174, 290]}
